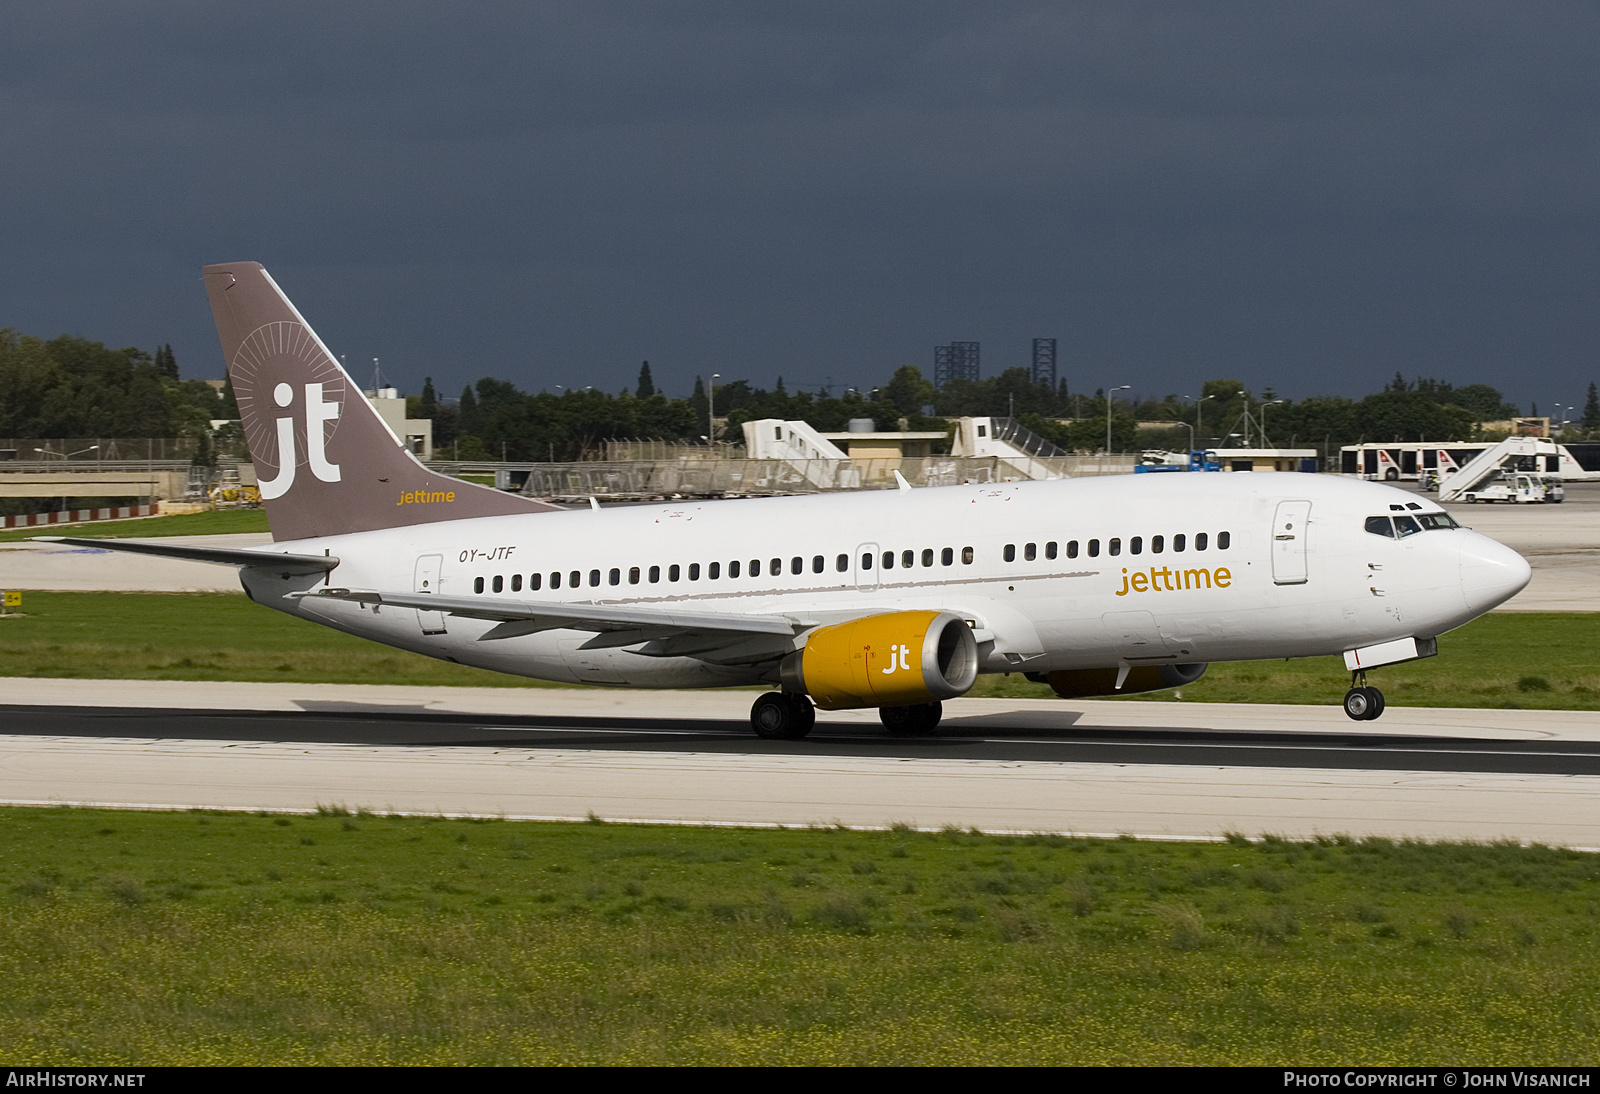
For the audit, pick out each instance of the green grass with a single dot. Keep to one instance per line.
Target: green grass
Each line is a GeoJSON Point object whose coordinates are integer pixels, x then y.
{"type": "Point", "coordinates": [205, 636]}
{"type": "Point", "coordinates": [143, 939]}
{"type": "Point", "coordinates": [1522, 659]}
{"type": "Point", "coordinates": [214, 523]}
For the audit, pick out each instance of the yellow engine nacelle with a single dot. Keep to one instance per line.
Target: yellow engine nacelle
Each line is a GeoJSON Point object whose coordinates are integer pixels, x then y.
{"type": "Point", "coordinates": [1083, 683]}
{"type": "Point", "coordinates": [892, 660]}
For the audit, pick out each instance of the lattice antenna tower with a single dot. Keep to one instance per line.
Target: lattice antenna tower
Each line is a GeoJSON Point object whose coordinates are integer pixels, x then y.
{"type": "Point", "coordinates": [1044, 362]}
{"type": "Point", "coordinates": [957, 361]}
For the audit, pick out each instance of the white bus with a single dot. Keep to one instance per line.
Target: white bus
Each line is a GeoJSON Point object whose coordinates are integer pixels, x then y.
{"type": "Point", "coordinates": [1413, 460]}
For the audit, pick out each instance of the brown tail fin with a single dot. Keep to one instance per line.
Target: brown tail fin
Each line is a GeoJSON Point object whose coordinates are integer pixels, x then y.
{"type": "Point", "coordinates": [326, 462]}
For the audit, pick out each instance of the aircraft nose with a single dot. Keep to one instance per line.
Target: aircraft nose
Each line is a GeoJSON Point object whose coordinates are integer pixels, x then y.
{"type": "Point", "coordinates": [1491, 573]}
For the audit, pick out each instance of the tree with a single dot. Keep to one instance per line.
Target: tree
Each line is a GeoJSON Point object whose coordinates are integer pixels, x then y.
{"type": "Point", "coordinates": [166, 363]}
{"type": "Point", "coordinates": [429, 405]}
{"type": "Point", "coordinates": [647, 386]}
{"type": "Point", "coordinates": [908, 391]}
{"type": "Point", "coordinates": [702, 407]}
{"type": "Point", "coordinates": [1486, 404]}
{"type": "Point", "coordinates": [469, 421]}
{"type": "Point", "coordinates": [1591, 409]}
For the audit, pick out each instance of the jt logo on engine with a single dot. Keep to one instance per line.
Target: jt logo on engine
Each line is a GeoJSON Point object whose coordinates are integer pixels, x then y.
{"type": "Point", "coordinates": [903, 663]}
{"type": "Point", "coordinates": [317, 412]}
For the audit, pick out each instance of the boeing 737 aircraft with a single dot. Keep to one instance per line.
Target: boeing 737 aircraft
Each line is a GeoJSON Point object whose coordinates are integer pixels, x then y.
{"type": "Point", "coordinates": [890, 599]}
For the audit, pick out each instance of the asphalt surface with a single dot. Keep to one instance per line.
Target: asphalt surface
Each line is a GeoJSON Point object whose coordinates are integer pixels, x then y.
{"type": "Point", "coordinates": [1363, 749]}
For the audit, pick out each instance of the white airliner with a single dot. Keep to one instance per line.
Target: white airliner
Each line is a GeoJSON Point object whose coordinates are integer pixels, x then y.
{"type": "Point", "coordinates": [888, 599]}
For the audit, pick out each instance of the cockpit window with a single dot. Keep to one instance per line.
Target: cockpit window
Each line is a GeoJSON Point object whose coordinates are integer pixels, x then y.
{"type": "Point", "coordinates": [1406, 526]}
{"type": "Point", "coordinates": [1432, 521]}
{"type": "Point", "coordinates": [1380, 526]}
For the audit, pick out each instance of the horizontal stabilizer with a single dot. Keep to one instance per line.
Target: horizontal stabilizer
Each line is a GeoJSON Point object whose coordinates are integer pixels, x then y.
{"type": "Point", "coordinates": [277, 561]}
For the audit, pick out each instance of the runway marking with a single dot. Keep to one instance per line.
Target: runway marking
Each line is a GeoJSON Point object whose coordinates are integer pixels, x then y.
{"type": "Point", "coordinates": [1263, 746]}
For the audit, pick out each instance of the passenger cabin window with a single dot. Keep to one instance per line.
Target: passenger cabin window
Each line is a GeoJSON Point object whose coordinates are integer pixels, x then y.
{"type": "Point", "coordinates": [947, 556]}
{"type": "Point", "coordinates": [817, 563]}
{"type": "Point", "coordinates": [713, 571]}
{"type": "Point", "coordinates": [927, 556]}
{"type": "Point", "coordinates": [1157, 544]}
{"type": "Point", "coordinates": [555, 580]}
{"type": "Point", "coordinates": [1136, 545]}
{"type": "Point", "coordinates": [1224, 540]}
{"type": "Point", "coordinates": [1072, 548]}
{"type": "Point", "coordinates": [655, 574]}
{"type": "Point", "coordinates": [574, 579]}
{"type": "Point", "coordinates": [673, 572]}
{"type": "Point", "coordinates": [534, 581]}
{"type": "Point", "coordinates": [908, 559]}
{"type": "Point", "coordinates": [694, 571]}
{"type": "Point", "coordinates": [797, 565]}
{"type": "Point", "coordinates": [966, 556]}
{"type": "Point", "coordinates": [1178, 542]}
{"type": "Point", "coordinates": [477, 585]}
{"type": "Point", "coordinates": [1094, 548]}
{"type": "Point", "coordinates": [499, 583]}
{"type": "Point", "coordinates": [842, 563]}
{"type": "Point", "coordinates": [594, 577]}
{"type": "Point", "coordinates": [733, 568]}
{"type": "Point", "coordinates": [615, 576]}
{"type": "Point", "coordinates": [775, 568]}
{"type": "Point", "coordinates": [888, 560]}
{"type": "Point", "coordinates": [633, 575]}
{"type": "Point", "coordinates": [1050, 549]}
{"type": "Point", "coordinates": [1199, 541]}
{"type": "Point", "coordinates": [1030, 551]}
{"type": "Point", "coordinates": [1011, 552]}
{"type": "Point", "coordinates": [1115, 547]}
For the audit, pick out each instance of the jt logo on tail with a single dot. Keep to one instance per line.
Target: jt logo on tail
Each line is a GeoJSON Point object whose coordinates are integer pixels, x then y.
{"type": "Point", "coordinates": [317, 412]}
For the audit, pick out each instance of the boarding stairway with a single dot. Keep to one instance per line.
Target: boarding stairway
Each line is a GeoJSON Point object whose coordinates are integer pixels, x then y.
{"type": "Point", "coordinates": [1028, 455]}
{"type": "Point", "coordinates": [819, 463]}
{"type": "Point", "coordinates": [1489, 463]}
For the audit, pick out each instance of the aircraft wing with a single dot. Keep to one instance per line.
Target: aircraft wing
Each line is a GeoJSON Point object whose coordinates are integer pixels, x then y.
{"type": "Point", "coordinates": [277, 561]}
{"type": "Point", "coordinates": [660, 632]}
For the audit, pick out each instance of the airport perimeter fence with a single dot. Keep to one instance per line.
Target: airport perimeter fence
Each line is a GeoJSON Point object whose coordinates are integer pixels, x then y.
{"type": "Point", "coordinates": [640, 479]}
{"type": "Point", "coordinates": [102, 450]}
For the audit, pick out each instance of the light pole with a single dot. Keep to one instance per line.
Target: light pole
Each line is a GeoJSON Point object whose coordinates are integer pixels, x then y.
{"type": "Point", "coordinates": [1263, 412]}
{"type": "Point", "coordinates": [1199, 407]}
{"type": "Point", "coordinates": [1124, 387]}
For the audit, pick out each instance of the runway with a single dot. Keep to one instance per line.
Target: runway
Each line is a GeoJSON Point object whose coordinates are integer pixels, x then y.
{"type": "Point", "coordinates": [1105, 768]}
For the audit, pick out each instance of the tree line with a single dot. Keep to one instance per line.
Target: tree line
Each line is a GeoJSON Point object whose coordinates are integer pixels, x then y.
{"type": "Point", "coordinates": [72, 387]}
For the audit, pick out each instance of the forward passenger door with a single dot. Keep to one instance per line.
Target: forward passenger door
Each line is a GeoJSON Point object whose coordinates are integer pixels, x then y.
{"type": "Point", "coordinates": [1289, 527]}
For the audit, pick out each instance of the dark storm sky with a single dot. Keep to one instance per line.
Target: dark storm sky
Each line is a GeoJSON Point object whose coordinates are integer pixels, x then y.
{"type": "Point", "coordinates": [1304, 195]}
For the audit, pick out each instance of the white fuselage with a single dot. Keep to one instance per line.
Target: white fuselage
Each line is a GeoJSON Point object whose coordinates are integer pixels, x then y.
{"type": "Point", "coordinates": [1101, 572]}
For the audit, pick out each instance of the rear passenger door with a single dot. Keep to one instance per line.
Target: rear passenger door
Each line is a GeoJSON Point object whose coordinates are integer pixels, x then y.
{"type": "Point", "coordinates": [427, 581]}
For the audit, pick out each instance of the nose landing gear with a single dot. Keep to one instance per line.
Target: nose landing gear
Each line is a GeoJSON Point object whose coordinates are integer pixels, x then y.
{"type": "Point", "coordinates": [1361, 702]}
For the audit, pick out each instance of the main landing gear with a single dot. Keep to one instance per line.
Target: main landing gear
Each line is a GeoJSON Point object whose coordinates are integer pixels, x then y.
{"type": "Point", "coordinates": [787, 716]}
{"type": "Point", "coordinates": [782, 716]}
{"type": "Point", "coordinates": [1361, 702]}
{"type": "Point", "coordinates": [912, 721]}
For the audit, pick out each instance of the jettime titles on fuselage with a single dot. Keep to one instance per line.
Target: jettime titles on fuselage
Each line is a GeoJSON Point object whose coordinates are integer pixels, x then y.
{"type": "Point", "coordinates": [1169, 580]}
